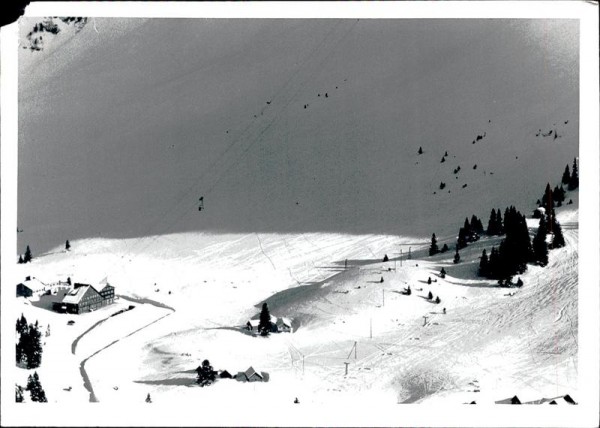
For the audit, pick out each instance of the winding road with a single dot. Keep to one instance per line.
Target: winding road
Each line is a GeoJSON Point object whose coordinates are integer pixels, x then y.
{"type": "Point", "coordinates": [86, 380]}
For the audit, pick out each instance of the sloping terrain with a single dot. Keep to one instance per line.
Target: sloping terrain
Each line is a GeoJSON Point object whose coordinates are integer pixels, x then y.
{"type": "Point", "coordinates": [290, 125]}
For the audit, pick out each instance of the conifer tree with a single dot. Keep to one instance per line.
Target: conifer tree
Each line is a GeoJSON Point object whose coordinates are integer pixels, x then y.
{"type": "Point", "coordinates": [206, 374]}
{"type": "Point", "coordinates": [443, 273]}
{"type": "Point", "coordinates": [433, 248]}
{"type": "Point", "coordinates": [429, 296]}
{"type": "Point", "coordinates": [494, 261]}
{"type": "Point", "coordinates": [18, 393]}
{"type": "Point", "coordinates": [483, 264]}
{"type": "Point", "coordinates": [28, 257]}
{"type": "Point", "coordinates": [148, 398]}
{"type": "Point", "coordinates": [574, 181]}
{"type": "Point", "coordinates": [499, 226]}
{"type": "Point", "coordinates": [385, 258]}
{"type": "Point", "coordinates": [420, 151]}
{"type": "Point", "coordinates": [566, 178]}
{"type": "Point", "coordinates": [67, 245]}
{"type": "Point", "coordinates": [445, 248]}
{"type": "Point", "coordinates": [548, 198]}
{"type": "Point", "coordinates": [492, 224]}
{"type": "Point", "coordinates": [35, 389]}
{"type": "Point", "coordinates": [264, 325]}
{"type": "Point", "coordinates": [429, 280]}
{"type": "Point", "coordinates": [21, 324]}
{"type": "Point", "coordinates": [462, 238]}
{"type": "Point", "coordinates": [456, 256]}
{"type": "Point", "coordinates": [559, 240]}
{"type": "Point", "coordinates": [540, 248]}
{"type": "Point", "coordinates": [29, 347]}
{"type": "Point", "coordinates": [20, 260]}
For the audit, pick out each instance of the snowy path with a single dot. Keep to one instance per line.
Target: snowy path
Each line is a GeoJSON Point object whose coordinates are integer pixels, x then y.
{"type": "Point", "coordinates": [86, 380]}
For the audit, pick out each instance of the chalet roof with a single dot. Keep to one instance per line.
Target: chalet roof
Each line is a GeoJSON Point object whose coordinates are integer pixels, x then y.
{"type": "Point", "coordinates": [76, 294]}
{"type": "Point", "coordinates": [251, 372]}
{"type": "Point", "coordinates": [33, 284]}
{"type": "Point", "coordinates": [286, 322]}
{"type": "Point", "coordinates": [254, 323]}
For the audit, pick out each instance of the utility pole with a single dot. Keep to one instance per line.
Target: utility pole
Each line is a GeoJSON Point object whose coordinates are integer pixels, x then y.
{"type": "Point", "coordinates": [346, 374]}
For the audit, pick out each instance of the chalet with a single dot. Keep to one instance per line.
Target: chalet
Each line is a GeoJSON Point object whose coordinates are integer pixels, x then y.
{"type": "Point", "coordinates": [513, 400]}
{"type": "Point", "coordinates": [252, 325]}
{"type": "Point", "coordinates": [108, 294]}
{"type": "Point", "coordinates": [224, 374]}
{"type": "Point", "coordinates": [284, 324]}
{"type": "Point", "coordinates": [23, 290]}
{"type": "Point", "coordinates": [281, 324]}
{"type": "Point", "coordinates": [29, 286]}
{"type": "Point", "coordinates": [85, 298]}
{"type": "Point", "coordinates": [251, 375]}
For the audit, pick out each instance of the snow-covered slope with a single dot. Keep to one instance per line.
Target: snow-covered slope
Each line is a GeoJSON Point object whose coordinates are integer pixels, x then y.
{"type": "Point", "coordinates": [491, 344]}
{"type": "Point", "coordinates": [125, 125]}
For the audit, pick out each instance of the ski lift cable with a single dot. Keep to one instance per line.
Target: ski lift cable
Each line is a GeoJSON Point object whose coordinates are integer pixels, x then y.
{"type": "Point", "coordinates": [253, 142]}
{"type": "Point", "coordinates": [248, 129]}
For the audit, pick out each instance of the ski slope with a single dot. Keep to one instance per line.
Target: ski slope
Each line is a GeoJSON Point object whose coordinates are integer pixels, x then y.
{"type": "Point", "coordinates": [155, 114]}
{"type": "Point", "coordinates": [490, 341]}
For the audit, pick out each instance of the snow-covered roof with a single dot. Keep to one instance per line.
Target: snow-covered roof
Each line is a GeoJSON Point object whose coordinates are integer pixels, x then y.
{"type": "Point", "coordinates": [286, 322]}
{"type": "Point", "coordinates": [34, 284]}
{"type": "Point", "coordinates": [254, 323]}
{"type": "Point", "coordinates": [76, 294]}
{"type": "Point", "coordinates": [273, 319]}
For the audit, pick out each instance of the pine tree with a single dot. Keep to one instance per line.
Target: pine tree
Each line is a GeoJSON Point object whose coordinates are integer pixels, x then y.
{"type": "Point", "coordinates": [443, 160]}
{"type": "Point", "coordinates": [18, 393]}
{"type": "Point", "coordinates": [540, 248]}
{"type": "Point", "coordinates": [443, 273]}
{"type": "Point", "coordinates": [206, 374]}
{"type": "Point", "coordinates": [148, 398]}
{"type": "Point", "coordinates": [429, 296]}
{"type": "Point", "coordinates": [20, 260]}
{"type": "Point", "coordinates": [493, 263]}
{"type": "Point", "coordinates": [21, 324]}
{"type": "Point", "coordinates": [35, 389]}
{"type": "Point", "coordinates": [499, 226]}
{"type": "Point", "coordinates": [559, 240]}
{"type": "Point", "coordinates": [566, 178]}
{"type": "Point", "coordinates": [429, 280]}
{"type": "Point", "coordinates": [67, 245]}
{"type": "Point", "coordinates": [445, 248]}
{"type": "Point", "coordinates": [437, 299]}
{"type": "Point", "coordinates": [433, 249]}
{"type": "Point", "coordinates": [462, 238]}
{"type": "Point", "coordinates": [483, 264]}
{"type": "Point", "coordinates": [548, 198]}
{"type": "Point", "coordinates": [29, 347]}
{"type": "Point", "coordinates": [385, 258]}
{"type": "Point", "coordinates": [28, 257]}
{"type": "Point", "coordinates": [456, 256]}
{"type": "Point", "coordinates": [420, 151]}
{"type": "Point", "coordinates": [574, 181]}
{"type": "Point", "coordinates": [264, 325]}
{"type": "Point", "coordinates": [442, 185]}
{"type": "Point", "coordinates": [492, 224]}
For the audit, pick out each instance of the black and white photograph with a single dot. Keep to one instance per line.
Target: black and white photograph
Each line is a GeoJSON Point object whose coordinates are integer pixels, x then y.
{"type": "Point", "coordinates": [247, 214]}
